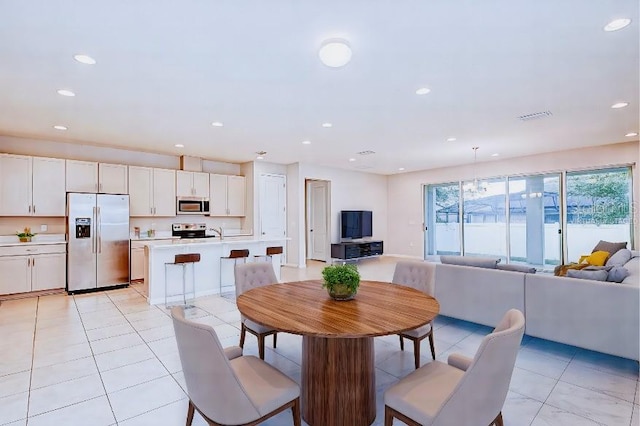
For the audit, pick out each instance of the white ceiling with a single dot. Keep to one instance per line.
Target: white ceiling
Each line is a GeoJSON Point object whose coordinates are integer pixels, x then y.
{"type": "Point", "coordinates": [167, 69]}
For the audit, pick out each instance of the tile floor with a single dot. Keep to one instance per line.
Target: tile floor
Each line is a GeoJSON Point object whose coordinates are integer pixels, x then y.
{"type": "Point", "coordinates": [109, 358]}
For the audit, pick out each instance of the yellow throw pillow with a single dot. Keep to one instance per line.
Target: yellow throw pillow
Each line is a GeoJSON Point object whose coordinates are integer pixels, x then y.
{"type": "Point", "coordinates": [597, 258]}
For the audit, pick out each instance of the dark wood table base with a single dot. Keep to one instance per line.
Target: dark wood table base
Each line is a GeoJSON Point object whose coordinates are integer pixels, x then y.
{"type": "Point", "coordinates": [338, 381]}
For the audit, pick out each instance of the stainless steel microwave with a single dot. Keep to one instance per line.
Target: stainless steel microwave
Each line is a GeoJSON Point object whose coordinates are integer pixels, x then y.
{"type": "Point", "coordinates": [192, 205]}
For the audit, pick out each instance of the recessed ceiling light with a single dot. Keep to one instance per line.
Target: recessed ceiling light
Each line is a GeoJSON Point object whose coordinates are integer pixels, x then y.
{"type": "Point", "coordinates": [179, 145]}
{"type": "Point", "coordinates": [259, 157]}
{"type": "Point", "coordinates": [351, 160]}
{"type": "Point", "coordinates": [327, 125]}
{"type": "Point", "coordinates": [58, 127]}
{"type": "Point", "coordinates": [619, 105]}
{"type": "Point", "coordinates": [495, 154]}
{"type": "Point", "coordinates": [631, 134]}
{"type": "Point", "coordinates": [423, 91]}
{"type": "Point", "coordinates": [84, 59]}
{"type": "Point", "coordinates": [306, 142]}
{"type": "Point", "coordinates": [451, 139]}
{"type": "Point", "coordinates": [217, 124]}
{"type": "Point", "coordinates": [617, 24]}
{"type": "Point", "coordinates": [401, 168]}
{"type": "Point", "coordinates": [65, 92]}
{"type": "Point", "coordinates": [335, 53]}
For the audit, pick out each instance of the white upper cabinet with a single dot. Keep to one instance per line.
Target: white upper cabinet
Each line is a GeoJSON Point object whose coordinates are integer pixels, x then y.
{"type": "Point", "coordinates": [112, 178]}
{"type": "Point", "coordinates": [192, 184]}
{"type": "Point", "coordinates": [31, 186]}
{"type": "Point", "coordinates": [152, 192]}
{"type": "Point", "coordinates": [227, 196]}
{"type": "Point", "coordinates": [82, 176]}
{"type": "Point", "coordinates": [88, 176]}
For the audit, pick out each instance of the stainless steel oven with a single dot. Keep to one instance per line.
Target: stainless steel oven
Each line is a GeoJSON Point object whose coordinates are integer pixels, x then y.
{"type": "Point", "coordinates": [192, 205]}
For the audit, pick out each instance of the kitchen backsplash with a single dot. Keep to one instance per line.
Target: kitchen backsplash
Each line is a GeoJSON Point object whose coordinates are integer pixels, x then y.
{"type": "Point", "coordinates": [163, 224]}
{"type": "Point", "coordinates": [11, 225]}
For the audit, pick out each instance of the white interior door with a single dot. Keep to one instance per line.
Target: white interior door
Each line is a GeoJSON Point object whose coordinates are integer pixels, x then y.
{"type": "Point", "coordinates": [317, 220]}
{"type": "Point", "coordinates": [273, 209]}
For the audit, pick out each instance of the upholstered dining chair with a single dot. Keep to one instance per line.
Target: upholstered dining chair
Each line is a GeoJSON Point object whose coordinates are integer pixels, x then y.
{"type": "Point", "coordinates": [251, 275]}
{"type": "Point", "coordinates": [465, 391]}
{"type": "Point", "coordinates": [421, 276]}
{"type": "Point", "coordinates": [225, 387]}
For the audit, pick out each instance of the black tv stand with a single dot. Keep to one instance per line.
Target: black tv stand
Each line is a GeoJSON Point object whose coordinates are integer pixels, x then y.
{"type": "Point", "coordinates": [356, 249]}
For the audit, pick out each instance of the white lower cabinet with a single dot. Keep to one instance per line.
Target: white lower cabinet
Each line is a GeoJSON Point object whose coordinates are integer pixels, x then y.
{"type": "Point", "coordinates": [137, 263]}
{"type": "Point", "coordinates": [32, 268]}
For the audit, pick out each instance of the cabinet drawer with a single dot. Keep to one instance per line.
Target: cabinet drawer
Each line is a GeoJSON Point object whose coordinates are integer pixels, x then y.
{"type": "Point", "coordinates": [33, 249]}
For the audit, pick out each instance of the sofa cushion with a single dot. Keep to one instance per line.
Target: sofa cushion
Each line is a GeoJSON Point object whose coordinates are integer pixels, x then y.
{"type": "Point", "coordinates": [588, 275]}
{"type": "Point", "coordinates": [612, 248]}
{"type": "Point", "coordinates": [619, 258]}
{"type": "Point", "coordinates": [516, 268]}
{"type": "Point", "coordinates": [633, 266]}
{"type": "Point", "coordinates": [617, 274]}
{"type": "Point", "coordinates": [480, 262]}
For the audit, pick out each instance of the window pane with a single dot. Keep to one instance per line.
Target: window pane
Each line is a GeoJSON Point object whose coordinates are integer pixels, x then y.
{"type": "Point", "coordinates": [443, 227]}
{"type": "Point", "coordinates": [534, 220]}
{"type": "Point", "coordinates": [598, 208]}
{"type": "Point", "coordinates": [484, 218]}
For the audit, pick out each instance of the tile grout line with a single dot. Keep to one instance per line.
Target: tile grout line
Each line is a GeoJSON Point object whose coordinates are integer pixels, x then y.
{"type": "Point", "coordinates": [33, 354]}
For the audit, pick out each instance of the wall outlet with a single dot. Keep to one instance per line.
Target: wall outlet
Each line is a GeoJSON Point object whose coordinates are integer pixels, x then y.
{"type": "Point", "coordinates": [43, 228]}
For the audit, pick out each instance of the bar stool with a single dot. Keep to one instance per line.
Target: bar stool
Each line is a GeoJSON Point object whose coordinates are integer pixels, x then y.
{"type": "Point", "coordinates": [182, 260]}
{"type": "Point", "coordinates": [270, 252]}
{"type": "Point", "coordinates": [235, 255]}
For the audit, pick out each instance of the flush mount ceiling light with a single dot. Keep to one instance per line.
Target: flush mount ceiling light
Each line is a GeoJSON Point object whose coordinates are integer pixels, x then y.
{"type": "Point", "coordinates": [179, 145]}
{"type": "Point", "coordinates": [327, 125]}
{"type": "Point", "coordinates": [306, 142]}
{"type": "Point", "coordinates": [617, 24]}
{"type": "Point", "coordinates": [631, 134]}
{"type": "Point", "coordinates": [619, 105]}
{"type": "Point", "coordinates": [85, 59]}
{"type": "Point", "coordinates": [65, 92]}
{"type": "Point", "coordinates": [423, 91]}
{"type": "Point", "coordinates": [59, 127]}
{"type": "Point", "coordinates": [217, 124]}
{"type": "Point", "coordinates": [335, 53]}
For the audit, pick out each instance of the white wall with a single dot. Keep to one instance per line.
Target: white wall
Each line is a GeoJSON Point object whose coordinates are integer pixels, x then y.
{"type": "Point", "coordinates": [405, 195]}
{"type": "Point", "coordinates": [349, 191]}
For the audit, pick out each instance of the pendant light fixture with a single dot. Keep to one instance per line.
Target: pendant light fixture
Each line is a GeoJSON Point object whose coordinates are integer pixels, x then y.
{"type": "Point", "coordinates": [475, 188]}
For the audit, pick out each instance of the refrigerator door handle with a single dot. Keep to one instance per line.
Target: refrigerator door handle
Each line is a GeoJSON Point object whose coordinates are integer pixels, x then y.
{"type": "Point", "coordinates": [99, 231]}
{"type": "Point", "coordinates": [93, 235]}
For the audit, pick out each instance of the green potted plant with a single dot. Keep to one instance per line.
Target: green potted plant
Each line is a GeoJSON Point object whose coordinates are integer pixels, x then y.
{"type": "Point", "coordinates": [26, 235]}
{"type": "Point", "coordinates": [341, 281]}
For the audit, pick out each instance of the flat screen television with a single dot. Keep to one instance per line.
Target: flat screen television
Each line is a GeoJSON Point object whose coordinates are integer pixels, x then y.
{"type": "Point", "coordinates": [356, 223]}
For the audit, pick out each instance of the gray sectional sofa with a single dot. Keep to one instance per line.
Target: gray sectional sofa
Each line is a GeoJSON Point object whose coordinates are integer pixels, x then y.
{"type": "Point", "coordinates": [601, 316]}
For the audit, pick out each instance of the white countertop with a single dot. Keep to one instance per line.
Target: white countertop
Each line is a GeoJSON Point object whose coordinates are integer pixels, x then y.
{"type": "Point", "coordinates": [215, 241]}
{"type": "Point", "coordinates": [41, 239]}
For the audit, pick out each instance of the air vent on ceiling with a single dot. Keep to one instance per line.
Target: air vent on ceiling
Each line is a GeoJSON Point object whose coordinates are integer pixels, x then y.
{"type": "Point", "coordinates": [535, 115]}
{"type": "Point", "coordinates": [366, 152]}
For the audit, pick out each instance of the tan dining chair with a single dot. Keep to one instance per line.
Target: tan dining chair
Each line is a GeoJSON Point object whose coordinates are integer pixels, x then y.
{"type": "Point", "coordinates": [248, 276]}
{"type": "Point", "coordinates": [224, 386]}
{"type": "Point", "coordinates": [465, 391]}
{"type": "Point", "coordinates": [421, 276]}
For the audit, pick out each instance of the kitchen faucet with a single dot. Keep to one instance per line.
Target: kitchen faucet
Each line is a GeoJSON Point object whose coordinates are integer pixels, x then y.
{"type": "Point", "coordinates": [218, 231]}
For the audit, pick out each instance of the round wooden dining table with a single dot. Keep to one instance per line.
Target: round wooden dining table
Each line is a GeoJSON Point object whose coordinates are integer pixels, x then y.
{"type": "Point", "coordinates": [338, 371]}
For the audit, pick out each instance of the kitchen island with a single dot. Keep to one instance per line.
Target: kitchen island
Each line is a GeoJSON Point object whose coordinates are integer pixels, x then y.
{"type": "Point", "coordinates": [208, 272]}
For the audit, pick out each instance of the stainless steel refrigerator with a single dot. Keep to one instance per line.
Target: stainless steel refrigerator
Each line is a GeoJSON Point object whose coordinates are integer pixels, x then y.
{"type": "Point", "coordinates": [97, 241]}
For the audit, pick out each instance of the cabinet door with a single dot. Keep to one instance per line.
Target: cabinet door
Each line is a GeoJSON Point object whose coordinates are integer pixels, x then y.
{"type": "Point", "coordinates": [15, 185]}
{"type": "Point", "coordinates": [184, 184]}
{"type": "Point", "coordinates": [48, 271]}
{"type": "Point", "coordinates": [49, 195]}
{"type": "Point", "coordinates": [82, 176]}
{"type": "Point", "coordinates": [137, 264]}
{"type": "Point", "coordinates": [164, 192]}
{"type": "Point", "coordinates": [112, 178]}
{"type": "Point", "coordinates": [140, 191]}
{"type": "Point", "coordinates": [235, 195]}
{"type": "Point", "coordinates": [218, 195]}
{"type": "Point", "coordinates": [15, 276]}
{"type": "Point", "coordinates": [200, 184]}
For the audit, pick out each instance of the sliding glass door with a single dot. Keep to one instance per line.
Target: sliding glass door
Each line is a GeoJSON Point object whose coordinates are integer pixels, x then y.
{"type": "Point", "coordinates": [443, 231]}
{"type": "Point", "coordinates": [534, 220]}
